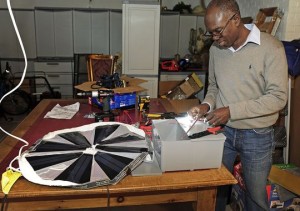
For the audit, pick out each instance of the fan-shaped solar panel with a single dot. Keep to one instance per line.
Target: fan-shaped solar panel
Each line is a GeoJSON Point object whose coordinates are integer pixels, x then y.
{"type": "Point", "coordinates": [88, 156]}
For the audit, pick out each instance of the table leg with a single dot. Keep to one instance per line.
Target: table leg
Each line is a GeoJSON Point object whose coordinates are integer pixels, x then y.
{"type": "Point", "coordinates": [206, 199]}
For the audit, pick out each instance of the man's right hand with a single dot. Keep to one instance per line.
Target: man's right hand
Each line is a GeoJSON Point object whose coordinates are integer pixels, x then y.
{"type": "Point", "coordinates": [199, 111]}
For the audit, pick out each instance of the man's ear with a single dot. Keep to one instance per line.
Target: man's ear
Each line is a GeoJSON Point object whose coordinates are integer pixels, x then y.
{"type": "Point", "coordinates": [237, 20]}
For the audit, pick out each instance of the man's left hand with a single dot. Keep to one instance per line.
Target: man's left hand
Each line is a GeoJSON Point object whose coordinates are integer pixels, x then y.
{"type": "Point", "coordinates": [219, 116]}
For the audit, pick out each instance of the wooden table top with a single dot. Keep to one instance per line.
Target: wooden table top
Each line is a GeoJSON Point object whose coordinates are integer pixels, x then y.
{"type": "Point", "coordinates": [166, 181]}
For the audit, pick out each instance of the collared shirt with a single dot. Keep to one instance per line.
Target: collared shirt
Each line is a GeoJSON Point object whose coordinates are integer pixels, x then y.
{"type": "Point", "coordinates": [254, 36]}
{"type": "Point", "coordinates": [252, 82]}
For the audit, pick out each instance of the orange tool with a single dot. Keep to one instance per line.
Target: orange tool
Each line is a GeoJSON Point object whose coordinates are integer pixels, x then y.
{"type": "Point", "coordinates": [209, 131]}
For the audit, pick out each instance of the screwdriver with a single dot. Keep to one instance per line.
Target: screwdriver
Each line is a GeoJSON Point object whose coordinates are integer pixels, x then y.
{"type": "Point", "coordinates": [196, 119]}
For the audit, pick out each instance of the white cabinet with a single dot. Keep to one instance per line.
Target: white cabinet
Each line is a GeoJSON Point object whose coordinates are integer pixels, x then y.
{"type": "Point", "coordinates": [91, 31]}
{"type": "Point", "coordinates": [10, 46]}
{"type": "Point", "coordinates": [151, 86]}
{"type": "Point", "coordinates": [59, 76]}
{"type": "Point", "coordinates": [54, 37]}
{"type": "Point", "coordinates": [141, 38]}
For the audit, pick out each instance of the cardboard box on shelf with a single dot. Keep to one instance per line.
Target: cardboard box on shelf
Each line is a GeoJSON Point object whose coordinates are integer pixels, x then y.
{"type": "Point", "coordinates": [177, 106]}
{"type": "Point", "coordinates": [166, 86]}
{"type": "Point", "coordinates": [188, 87]}
{"type": "Point", "coordinates": [287, 176]}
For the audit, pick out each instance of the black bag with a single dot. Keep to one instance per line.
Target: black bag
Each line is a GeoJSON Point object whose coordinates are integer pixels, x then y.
{"type": "Point", "coordinates": [280, 136]}
{"type": "Point", "coordinates": [292, 51]}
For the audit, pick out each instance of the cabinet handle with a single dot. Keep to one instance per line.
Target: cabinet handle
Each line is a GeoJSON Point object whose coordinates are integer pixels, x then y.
{"type": "Point", "coordinates": [52, 63]}
{"type": "Point", "coordinates": [53, 76]}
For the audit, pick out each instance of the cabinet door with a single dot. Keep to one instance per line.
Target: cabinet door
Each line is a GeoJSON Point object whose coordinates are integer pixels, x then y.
{"type": "Point", "coordinates": [115, 33]}
{"type": "Point", "coordinates": [91, 31]}
{"type": "Point", "coordinates": [58, 75]}
{"type": "Point", "coordinates": [140, 38]}
{"type": "Point", "coordinates": [169, 35]}
{"type": "Point", "coordinates": [44, 33]}
{"type": "Point", "coordinates": [54, 33]}
{"type": "Point", "coordinates": [63, 34]}
{"type": "Point", "coordinates": [151, 86]}
{"type": "Point", "coordinates": [8, 38]}
{"type": "Point", "coordinates": [187, 22]}
{"type": "Point", "coordinates": [82, 31]}
{"type": "Point", "coordinates": [100, 31]}
{"type": "Point", "coordinates": [25, 23]}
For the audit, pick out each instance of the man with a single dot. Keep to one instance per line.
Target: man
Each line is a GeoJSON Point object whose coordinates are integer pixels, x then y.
{"type": "Point", "coordinates": [247, 88]}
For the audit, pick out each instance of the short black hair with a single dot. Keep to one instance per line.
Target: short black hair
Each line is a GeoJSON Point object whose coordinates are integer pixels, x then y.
{"type": "Point", "coordinates": [225, 5]}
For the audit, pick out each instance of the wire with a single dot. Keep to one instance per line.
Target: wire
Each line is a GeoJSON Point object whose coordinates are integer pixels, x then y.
{"type": "Point", "coordinates": [108, 198]}
{"type": "Point", "coordinates": [4, 200]}
{"type": "Point", "coordinates": [18, 85]}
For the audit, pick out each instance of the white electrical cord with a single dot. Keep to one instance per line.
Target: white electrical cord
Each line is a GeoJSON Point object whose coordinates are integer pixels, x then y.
{"type": "Point", "coordinates": [15, 88]}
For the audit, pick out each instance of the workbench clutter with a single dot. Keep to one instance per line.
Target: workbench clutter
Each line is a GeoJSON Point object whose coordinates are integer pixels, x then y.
{"type": "Point", "coordinates": [111, 98]}
{"type": "Point", "coordinates": [285, 179]}
{"type": "Point", "coordinates": [283, 188]}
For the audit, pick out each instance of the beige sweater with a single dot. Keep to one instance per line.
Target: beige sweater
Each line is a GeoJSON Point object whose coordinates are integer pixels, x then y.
{"type": "Point", "coordinates": [253, 82]}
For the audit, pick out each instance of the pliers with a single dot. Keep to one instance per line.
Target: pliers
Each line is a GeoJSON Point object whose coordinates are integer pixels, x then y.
{"type": "Point", "coordinates": [209, 131]}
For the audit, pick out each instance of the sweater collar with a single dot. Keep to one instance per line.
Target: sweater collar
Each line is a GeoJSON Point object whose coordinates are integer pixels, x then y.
{"type": "Point", "coordinates": [254, 37]}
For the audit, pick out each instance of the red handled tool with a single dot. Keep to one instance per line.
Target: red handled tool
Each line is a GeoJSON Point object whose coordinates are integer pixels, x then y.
{"type": "Point", "coordinates": [209, 131]}
{"type": "Point", "coordinates": [171, 65]}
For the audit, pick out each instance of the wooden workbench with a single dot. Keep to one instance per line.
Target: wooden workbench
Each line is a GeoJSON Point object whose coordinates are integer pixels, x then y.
{"type": "Point", "coordinates": [197, 186]}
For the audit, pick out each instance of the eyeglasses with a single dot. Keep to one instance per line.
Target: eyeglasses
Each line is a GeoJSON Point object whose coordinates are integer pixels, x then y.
{"type": "Point", "coordinates": [217, 34]}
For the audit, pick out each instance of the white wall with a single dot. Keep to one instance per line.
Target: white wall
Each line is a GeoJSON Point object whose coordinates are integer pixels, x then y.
{"type": "Point", "coordinates": [251, 8]}
{"type": "Point", "coordinates": [293, 27]}
{"type": "Point", "coordinates": [289, 27]}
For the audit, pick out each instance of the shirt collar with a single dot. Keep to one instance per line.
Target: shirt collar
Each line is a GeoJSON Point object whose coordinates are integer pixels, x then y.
{"type": "Point", "coordinates": [254, 37]}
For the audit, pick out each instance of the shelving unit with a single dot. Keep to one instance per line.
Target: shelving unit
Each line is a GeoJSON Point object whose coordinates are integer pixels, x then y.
{"type": "Point", "coordinates": [58, 32]}
{"type": "Point", "coordinates": [179, 26]}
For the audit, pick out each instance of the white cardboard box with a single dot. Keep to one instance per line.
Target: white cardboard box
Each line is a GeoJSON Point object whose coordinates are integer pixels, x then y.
{"type": "Point", "coordinates": [175, 151]}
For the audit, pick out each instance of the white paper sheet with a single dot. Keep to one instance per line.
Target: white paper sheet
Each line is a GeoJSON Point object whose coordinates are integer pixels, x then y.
{"type": "Point", "coordinates": [63, 112]}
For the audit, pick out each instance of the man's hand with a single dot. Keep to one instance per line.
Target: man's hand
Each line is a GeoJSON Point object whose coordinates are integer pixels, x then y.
{"type": "Point", "coordinates": [219, 116]}
{"type": "Point", "coordinates": [199, 111]}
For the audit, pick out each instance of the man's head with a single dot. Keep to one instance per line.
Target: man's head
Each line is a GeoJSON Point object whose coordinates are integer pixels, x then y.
{"type": "Point", "coordinates": [223, 22]}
